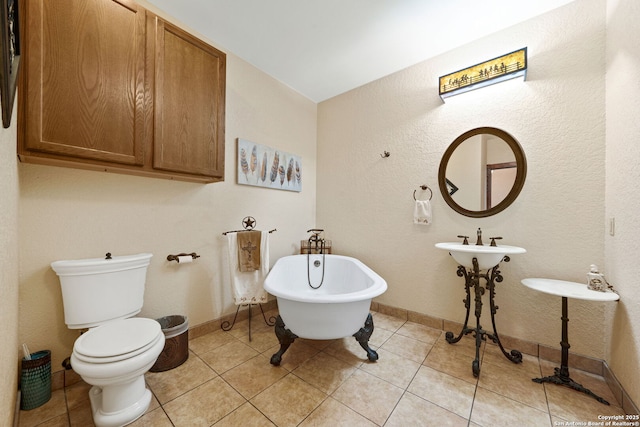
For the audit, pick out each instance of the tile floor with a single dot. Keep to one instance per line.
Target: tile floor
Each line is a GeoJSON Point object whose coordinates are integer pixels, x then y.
{"type": "Point", "coordinates": [419, 380]}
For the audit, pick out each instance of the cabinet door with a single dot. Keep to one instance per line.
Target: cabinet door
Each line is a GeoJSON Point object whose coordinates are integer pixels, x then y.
{"type": "Point", "coordinates": [83, 83]}
{"type": "Point", "coordinates": [189, 105]}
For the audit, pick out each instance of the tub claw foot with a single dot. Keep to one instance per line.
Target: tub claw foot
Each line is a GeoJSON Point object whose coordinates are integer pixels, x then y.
{"type": "Point", "coordinates": [285, 338]}
{"type": "Point", "coordinates": [363, 335]}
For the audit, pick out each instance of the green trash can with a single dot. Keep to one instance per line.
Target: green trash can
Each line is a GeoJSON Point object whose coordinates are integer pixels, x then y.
{"type": "Point", "coordinates": [35, 380]}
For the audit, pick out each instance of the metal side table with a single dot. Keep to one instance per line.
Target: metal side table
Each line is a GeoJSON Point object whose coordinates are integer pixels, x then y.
{"type": "Point", "coordinates": [568, 290]}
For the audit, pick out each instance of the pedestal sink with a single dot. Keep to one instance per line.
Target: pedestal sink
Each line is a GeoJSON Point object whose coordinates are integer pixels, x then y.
{"type": "Point", "coordinates": [477, 262]}
{"type": "Point", "coordinates": [487, 256]}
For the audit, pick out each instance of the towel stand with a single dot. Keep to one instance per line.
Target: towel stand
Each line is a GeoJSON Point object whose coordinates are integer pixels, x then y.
{"type": "Point", "coordinates": [248, 223]}
{"type": "Point", "coordinates": [227, 326]}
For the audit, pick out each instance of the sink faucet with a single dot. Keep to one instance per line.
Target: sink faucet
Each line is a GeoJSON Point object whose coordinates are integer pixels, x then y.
{"type": "Point", "coordinates": [479, 241]}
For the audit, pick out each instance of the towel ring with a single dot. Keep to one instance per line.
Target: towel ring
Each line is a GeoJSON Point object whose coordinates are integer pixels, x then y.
{"type": "Point", "coordinates": [424, 188]}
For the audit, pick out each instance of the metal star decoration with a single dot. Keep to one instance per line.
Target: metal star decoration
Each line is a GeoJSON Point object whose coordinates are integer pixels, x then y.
{"type": "Point", "coordinates": [249, 223]}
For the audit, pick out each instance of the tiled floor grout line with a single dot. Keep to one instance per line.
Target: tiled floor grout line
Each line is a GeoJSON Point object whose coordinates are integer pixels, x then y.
{"type": "Point", "coordinates": [507, 397]}
{"type": "Point", "coordinates": [473, 402]}
{"type": "Point", "coordinates": [406, 389]}
{"type": "Point", "coordinates": [546, 395]}
{"type": "Point", "coordinates": [167, 415]}
{"type": "Point", "coordinates": [476, 385]}
{"type": "Point", "coordinates": [421, 364]}
{"type": "Point", "coordinates": [328, 395]}
{"type": "Point", "coordinates": [66, 405]}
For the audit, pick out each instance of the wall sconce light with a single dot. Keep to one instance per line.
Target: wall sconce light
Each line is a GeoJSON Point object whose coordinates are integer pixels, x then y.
{"type": "Point", "coordinates": [490, 72]}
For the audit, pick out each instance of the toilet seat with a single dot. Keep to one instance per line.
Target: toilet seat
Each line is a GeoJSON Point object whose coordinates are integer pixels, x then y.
{"type": "Point", "coordinates": [117, 340]}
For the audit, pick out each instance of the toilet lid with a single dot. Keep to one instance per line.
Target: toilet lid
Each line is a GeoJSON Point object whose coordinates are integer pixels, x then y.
{"type": "Point", "coordinates": [118, 338]}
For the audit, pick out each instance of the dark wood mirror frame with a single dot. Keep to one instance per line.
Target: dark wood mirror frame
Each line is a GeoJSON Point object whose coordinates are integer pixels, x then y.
{"type": "Point", "coordinates": [521, 173]}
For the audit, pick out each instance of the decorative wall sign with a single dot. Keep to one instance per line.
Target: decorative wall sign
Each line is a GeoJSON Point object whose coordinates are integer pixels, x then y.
{"type": "Point", "coordinates": [493, 71]}
{"type": "Point", "coordinates": [263, 166]}
{"type": "Point", "coordinates": [9, 56]}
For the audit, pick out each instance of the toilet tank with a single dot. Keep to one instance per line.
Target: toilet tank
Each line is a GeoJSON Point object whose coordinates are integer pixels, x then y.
{"type": "Point", "coordinates": [98, 290]}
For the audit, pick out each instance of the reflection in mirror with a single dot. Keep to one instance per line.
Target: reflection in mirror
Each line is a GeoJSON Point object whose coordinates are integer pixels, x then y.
{"type": "Point", "coordinates": [480, 169]}
{"type": "Point", "coordinates": [500, 179]}
{"type": "Point", "coordinates": [482, 172]}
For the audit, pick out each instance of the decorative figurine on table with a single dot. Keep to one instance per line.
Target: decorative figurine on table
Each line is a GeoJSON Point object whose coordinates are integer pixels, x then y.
{"type": "Point", "coordinates": [597, 282]}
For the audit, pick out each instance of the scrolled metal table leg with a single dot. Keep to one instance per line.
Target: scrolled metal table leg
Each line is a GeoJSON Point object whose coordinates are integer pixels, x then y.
{"type": "Point", "coordinates": [561, 376]}
{"type": "Point", "coordinates": [564, 380]}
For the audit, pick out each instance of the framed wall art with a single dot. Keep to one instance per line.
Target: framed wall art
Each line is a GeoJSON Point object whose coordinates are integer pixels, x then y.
{"type": "Point", "coordinates": [9, 56]}
{"type": "Point", "coordinates": [263, 166]}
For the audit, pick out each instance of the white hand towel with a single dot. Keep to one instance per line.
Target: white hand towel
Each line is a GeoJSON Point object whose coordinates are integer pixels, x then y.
{"type": "Point", "coordinates": [247, 287]}
{"type": "Point", "coordinates": [422, 212]}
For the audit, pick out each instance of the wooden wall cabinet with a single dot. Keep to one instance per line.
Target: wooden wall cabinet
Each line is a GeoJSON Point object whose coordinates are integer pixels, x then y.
{"type": "Point", "coordinates": [189, 103]}
{"type": "Point", "coordinates": [107, 85]}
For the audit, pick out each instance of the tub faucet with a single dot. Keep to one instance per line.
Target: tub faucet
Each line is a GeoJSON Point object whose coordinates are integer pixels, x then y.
{"type": "Point", "coordinates": [479, 241]}
{"type": "Point", "coordinates": [315, 240]}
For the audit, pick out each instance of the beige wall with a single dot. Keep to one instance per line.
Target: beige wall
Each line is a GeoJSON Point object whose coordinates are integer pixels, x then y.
{"type": "Point", "coordinates": [9, 261]}
{"type": "Point", "coordinates": [622, 193]}
{"type": "Point", "coordinates": [558, 117]}
{"type": "Point", "coordinates": [70, 214]}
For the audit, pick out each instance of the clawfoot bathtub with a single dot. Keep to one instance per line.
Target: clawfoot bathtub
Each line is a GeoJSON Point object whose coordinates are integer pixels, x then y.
{"type": "Point", "coordinates": [323, 297]}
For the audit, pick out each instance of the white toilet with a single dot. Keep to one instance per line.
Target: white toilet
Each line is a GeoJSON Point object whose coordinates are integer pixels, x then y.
{"type": "Point", "coordinates": [118, 349]}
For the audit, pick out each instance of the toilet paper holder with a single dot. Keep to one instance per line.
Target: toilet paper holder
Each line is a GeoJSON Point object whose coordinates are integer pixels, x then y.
{"type": "Point", "coordinates": [175, 257]}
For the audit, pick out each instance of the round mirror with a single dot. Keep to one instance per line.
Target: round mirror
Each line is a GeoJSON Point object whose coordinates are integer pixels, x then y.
{"type": "Point", "coordinates": [482, 172]}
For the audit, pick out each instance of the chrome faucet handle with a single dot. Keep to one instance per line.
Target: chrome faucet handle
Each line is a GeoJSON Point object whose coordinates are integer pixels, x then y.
{"type": "Point", "coordinates": [465, 241]}
{"type": "Point", "coordinates": [493, 240]}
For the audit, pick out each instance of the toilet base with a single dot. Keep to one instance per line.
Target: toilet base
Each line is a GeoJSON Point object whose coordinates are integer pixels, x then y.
{"type": "Point", "coordinates": [104, 408]}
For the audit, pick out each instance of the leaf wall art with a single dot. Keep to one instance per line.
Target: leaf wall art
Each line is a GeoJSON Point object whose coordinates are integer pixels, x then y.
{"type": "Point", "coordinates": [263, 166]}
